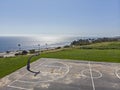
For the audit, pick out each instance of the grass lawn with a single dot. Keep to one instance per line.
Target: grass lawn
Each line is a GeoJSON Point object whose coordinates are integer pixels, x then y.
{"type": "Point", "coordinates": [86, 54]}
{"type": "Point", "coordinates": [9, 65]}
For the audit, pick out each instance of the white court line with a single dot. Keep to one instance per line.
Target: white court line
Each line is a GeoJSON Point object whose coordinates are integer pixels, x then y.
{"type": "Point", "coordinates": [93, 84]}
{"type": "Point", "coordinates": [21, 77]}
{"type": "Point", "coordinates": [116, 72]}
{"type": "Point", "coordinates": [58, 77]}
{"type": "Point", "coordinates": [37, 81]}
{"type": "Point", "coordinates": [100, 74]}
{"type": "Point", "coordinates": [25, 81]}
{"type": "Point", "coordinates": [60, 69]}
{"type": "Point", "coordinates": [19, 88]}
{"type": "Point", "coordinates": [54, 66]}
{"type": "Point", "coordinates": [67, 67]}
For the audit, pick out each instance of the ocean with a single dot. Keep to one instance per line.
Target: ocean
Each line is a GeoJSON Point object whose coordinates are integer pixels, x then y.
{"type": "Point", "coordinates": [13, 43]}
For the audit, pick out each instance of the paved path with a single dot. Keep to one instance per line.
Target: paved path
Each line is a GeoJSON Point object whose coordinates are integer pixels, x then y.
{"type": "Point", "coordinates": [59, 74]}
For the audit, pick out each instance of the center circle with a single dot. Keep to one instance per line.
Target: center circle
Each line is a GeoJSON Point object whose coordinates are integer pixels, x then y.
{"type": "Point", "coordinates": [95, 73]}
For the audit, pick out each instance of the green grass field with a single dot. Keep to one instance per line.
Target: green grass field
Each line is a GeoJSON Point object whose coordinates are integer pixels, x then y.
{"type": "Point", "coordinates": [82, 54]}
{"type": "Point", "coordinates": [9, 65]}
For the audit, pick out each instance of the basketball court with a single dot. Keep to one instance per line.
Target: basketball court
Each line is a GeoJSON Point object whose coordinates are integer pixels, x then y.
{"type": "Point", "coordinates": [57, 74]}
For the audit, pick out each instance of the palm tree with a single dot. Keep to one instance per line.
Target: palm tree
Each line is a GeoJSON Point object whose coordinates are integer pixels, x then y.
{"type": "Point", "coordinates": [19, 45]}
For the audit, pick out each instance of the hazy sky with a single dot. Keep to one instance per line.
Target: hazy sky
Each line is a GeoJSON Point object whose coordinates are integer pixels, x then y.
{"type": "Point", "coordinates": [60, 17]}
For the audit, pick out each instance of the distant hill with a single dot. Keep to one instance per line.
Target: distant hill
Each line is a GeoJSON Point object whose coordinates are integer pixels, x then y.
{"type": "Point", "coordinates": [103, 45]}
{"type": "Point", "coordinates": [98, 43]}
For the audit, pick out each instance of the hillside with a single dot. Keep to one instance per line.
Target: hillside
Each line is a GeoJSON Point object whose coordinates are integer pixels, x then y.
{"type": "Point", "coordinates": [103, 45]}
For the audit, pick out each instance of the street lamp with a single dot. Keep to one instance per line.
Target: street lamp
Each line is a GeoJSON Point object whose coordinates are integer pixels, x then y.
{"type": "Point", "coordinates": [46, 46]}
{"type": "Point", "coordinates": [39, 47]}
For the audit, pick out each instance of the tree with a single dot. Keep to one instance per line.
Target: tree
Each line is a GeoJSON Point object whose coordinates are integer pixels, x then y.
{"type": "Point", "coordinates": [19, 45]}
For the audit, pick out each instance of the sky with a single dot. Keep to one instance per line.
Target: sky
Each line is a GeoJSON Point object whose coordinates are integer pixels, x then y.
{"type": "Point", "coordinates": [60, 17]}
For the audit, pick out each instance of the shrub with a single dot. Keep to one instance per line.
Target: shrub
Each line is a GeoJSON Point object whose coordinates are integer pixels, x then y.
{"type": "Point", "coordinates": [7, 52]}
{"type": "Point", "coordinates": [67, 46]}
{"type": "Point", "coordinates": [57, 47]}
{"type": "Point", "coordinates": [32, 51]}
{"type": "Point", "coordinates": [16, 54]}
{"type": "Point", "coordinates": [1, 56]}
{"type": "Point", "coordinates": [24, 52]}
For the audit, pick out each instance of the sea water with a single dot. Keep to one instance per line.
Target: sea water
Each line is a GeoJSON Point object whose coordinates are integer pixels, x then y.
{"type": "Point", "coordinates": [13, 43]}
